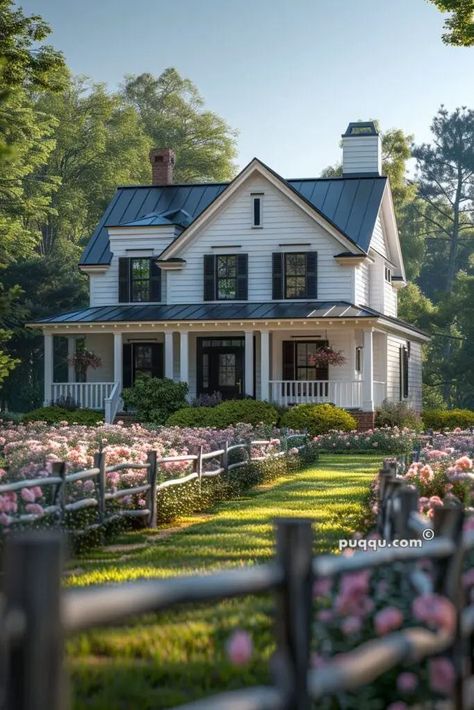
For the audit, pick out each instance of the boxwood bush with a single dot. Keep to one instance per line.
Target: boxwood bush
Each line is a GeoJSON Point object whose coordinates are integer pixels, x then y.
{"type": "Point", "coordinates": [448, 418]}
{"type": "Point", "coordinates": [318, 418]}
{"type": "Point", "coordinates": [53, 415]}
{"type": "Point", "coordinates": [154, 399]}
{"type": "Point", "coordinates": [228, 413]}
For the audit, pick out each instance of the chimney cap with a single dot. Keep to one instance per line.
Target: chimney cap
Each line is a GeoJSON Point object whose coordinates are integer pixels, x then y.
{"type": "Point", "coordinates": [356, 129]}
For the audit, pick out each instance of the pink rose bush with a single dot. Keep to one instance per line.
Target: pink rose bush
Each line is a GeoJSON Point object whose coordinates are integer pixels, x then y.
{"type": "Point", "coordinates": [389, 440]}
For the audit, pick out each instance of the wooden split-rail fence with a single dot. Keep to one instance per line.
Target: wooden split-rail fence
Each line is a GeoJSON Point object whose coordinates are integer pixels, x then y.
{"type": "Point", "coordinates": [37, 614]}
{"type": "Point", "coordinates": [155, 468]}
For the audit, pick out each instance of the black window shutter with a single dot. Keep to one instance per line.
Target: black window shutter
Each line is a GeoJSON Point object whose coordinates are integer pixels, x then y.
{"type": "Point", "coordinates": [312, 274]}
{"type": "Point", "coordinates": [289, 360]}
{"type": "Point", "coordinates": [242, 277]}
{"type": "Point", "coordinates": [209, 277]}
{"type": "Point", "coordinates": [400, 372]}
{"type": "Point", "coordinates": [127, 365]}
{"type": "Point", "coordinates": [157, 360]}
{"type": "Point", "coordinates": [124, 279]}
{"type": "Point", "coordinates": [155, 282]}
{"type": "Point", "coordinates": [277, 284]}
{"type": "Point", "coordinates": [405, 372]}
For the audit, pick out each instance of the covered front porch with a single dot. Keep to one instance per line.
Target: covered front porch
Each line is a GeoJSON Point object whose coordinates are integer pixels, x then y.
{"type": "Point", "coordinates": [270, 361]}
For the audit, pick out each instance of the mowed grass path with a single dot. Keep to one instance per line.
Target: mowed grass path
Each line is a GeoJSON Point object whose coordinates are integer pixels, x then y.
{"type": "Point", "coordinates": [163, 660]}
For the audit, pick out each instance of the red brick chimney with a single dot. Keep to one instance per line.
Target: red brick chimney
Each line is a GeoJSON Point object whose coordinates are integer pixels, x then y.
{"type": "Point", "coordinates": [162, 166]}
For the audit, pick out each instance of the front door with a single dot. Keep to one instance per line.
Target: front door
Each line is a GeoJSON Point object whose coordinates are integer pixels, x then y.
{"type": "Point", "coordinates": [220, 366]}
{"type": "Point", "coordinates": [141, 360]}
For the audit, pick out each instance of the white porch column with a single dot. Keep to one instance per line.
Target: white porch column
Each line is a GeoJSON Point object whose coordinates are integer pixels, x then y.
{"type": "Point", "coordinates": [118, 355]}
{"type": "Point", "coordinates": [264, 364]}
{"type": "Point", "coordinates": [184, 356]}
{"type": "Point", "coordinates": [71, 351]}
{"type": "Point", "coordinates": [368, 372]}
{"type": "Point", "coordinates": [48, 368]}
{"type": "Point", "coordinates": [169, 355]}
{"type": "Point", "coordinates": [249, 383]}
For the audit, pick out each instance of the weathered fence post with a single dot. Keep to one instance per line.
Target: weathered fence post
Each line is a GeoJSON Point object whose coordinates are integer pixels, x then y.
{"type": "Point", "coordinates": [99, 462]}
{"type": "Point", "coordinates": [404, 504]}
{"type": "Point", "coordinates": [33, 567]}
{"type": "Point", "coordinates": [294, 541]}
{"type": "Point", "coordinates": [58, 468]}
{"type": "Point", "coordinates": [448, 522]}
{"type": "Point", "coordinates": [152, 476]}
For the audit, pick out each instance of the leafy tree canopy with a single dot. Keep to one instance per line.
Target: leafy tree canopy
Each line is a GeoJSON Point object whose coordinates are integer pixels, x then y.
{"type": "Point", "coordinates": [460, 24]}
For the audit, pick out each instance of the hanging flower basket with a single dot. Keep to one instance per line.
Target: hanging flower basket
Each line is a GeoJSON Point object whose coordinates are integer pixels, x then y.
{"type": "Point", "coordinates": [83, 359]}
{"type": "Point", "coordinates": [326, 356]}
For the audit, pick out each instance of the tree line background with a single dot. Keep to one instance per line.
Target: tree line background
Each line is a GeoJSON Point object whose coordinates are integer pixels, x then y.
{"type": "Point", "coordinates": [67, 142]}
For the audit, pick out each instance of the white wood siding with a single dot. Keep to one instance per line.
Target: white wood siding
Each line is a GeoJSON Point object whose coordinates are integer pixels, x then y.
{"type": "Point", "coordinates": [362, 285]}
{"type": "Point", "coordinates": [378, 241]}
{"type": "Point", "coordinates": [101, 344]}
{"type": "Point", "coordinates": [361, 154]}
{"type": "Point", "coordinates": [104, 287]}
{"type": "Point", "coordinates": [414, 371]}
{"type": "Point", "coordinates": [283, 223]}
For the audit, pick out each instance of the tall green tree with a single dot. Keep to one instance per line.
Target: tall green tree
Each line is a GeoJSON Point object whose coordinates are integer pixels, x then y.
{"type": "Point", "coordinates": [27, 67]}
{"type": "Point", "coordinates": [173, 116]}
{"type": "Point", "coordinates": [460, 23]}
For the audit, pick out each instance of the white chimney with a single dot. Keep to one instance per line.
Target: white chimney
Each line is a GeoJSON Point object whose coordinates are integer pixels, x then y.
{"type": "Point", "coordinates": [361, 150]}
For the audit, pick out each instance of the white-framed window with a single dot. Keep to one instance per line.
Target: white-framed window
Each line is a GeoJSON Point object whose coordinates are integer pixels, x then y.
{"type": "Point", "coordinates": [257, 210]}
{"type": "Point", "coordinates": [388, 274]}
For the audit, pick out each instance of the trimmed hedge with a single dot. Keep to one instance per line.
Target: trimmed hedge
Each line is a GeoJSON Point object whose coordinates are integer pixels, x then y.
{"type": "Point", "coordinates": [228, 413]}
{"type": "Point", "coordinates": [448, 418]}
{"type": "Point", "coordinates": [318, 419]}
{"type": "Point", "coordinates": [54, 415]}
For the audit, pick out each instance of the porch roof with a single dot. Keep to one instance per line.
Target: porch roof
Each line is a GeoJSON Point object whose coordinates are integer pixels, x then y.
{"type": "Point", "coordinates": [244, 311]}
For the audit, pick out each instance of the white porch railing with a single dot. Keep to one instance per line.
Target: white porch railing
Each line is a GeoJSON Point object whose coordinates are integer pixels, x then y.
{"type": "Point", "coordinates": [112, 404]}
{"type": "Point", "coordinates": [91, 395]}
{"type": "Point", "coordinates": [342, 393]}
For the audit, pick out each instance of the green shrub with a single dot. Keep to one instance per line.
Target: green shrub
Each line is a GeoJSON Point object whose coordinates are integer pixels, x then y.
{"type": "Point", "coordinates": [190, 416]}
{"type": "Point", "coordinates": [53, 415]}
{"type": "Point", "coordinates": [448, 418]}
{"type": "Point", "coordinates": [155, 399]}
{"type": "Point", "coordinates": [229, 413]}
{"type": "Point", "coordinates": [318, 418]}
{"type": "Point", "coordinates": [398, 414]}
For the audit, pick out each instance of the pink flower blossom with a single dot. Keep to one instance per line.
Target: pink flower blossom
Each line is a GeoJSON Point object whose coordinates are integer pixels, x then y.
{"type": "Point", "coordinates": [435, 611]}
{"type": "Point", "coordinates": [322, 587]}
{"type": "Point", "coordinates": [442, 675]}
{"type": "Point", "coordinates": [27, 495]}
{"type": "Point", "coordinates": [351, 625]}
{"type": "Point", "coordinates": [34, 509]}
{"type": "Point", "coordinates": [407, 682]}
{"type": "Point", "coordinates": [387, 620]}
{"type": "Point", "coordinates": [239, 648]}
{"type": "Point", "coordinates": [464, 463]}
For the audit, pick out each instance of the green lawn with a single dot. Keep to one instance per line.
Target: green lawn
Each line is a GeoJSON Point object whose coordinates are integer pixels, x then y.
{"type": "Point", "coordinates": [167, 659]}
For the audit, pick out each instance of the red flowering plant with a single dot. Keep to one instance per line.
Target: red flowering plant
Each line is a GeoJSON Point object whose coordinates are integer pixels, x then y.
{"type": "Point", "coordinates": [82, 360]}
{"type": "Point", "coordinates": [326, 355]}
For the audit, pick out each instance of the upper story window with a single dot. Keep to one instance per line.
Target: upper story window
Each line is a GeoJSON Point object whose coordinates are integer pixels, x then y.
{"type": "Point", "coordinates": [257, 212]}
{"type": "Point", "coordinates": [295, 275]}
{"type": "Point", "coordinates": [388, 274]}
{"type": "Point", "coordinates": [225, 277]}
{"type": "Point", "coordinates": [139, 280]}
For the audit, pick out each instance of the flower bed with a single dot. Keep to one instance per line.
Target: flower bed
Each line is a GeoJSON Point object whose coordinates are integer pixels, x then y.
{"type": "Point", "coordinates": [385, 439]}
{"type": "Point", "coordinates": [357, 607]}
{"type": "Point", "coordinates": [28, 451]}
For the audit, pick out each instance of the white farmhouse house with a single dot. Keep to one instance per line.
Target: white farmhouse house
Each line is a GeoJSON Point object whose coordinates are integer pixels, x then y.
{"type": "Point", "coordinates": [233, 287]}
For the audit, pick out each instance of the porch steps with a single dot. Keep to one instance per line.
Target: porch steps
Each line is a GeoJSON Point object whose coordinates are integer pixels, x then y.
{"type": "Point", "coordinates": [127, 418]}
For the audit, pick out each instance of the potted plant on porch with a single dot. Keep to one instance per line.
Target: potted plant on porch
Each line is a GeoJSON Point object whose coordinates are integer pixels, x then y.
{"type": "Point", "coordinates": [326, 355]}
{"type": "Point", "coordinates": [82, 360]}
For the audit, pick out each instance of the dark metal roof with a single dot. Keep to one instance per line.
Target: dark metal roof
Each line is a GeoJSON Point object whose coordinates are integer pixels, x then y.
{"type": "Point", "coordinates": [220, 312]}
{"type": "Point", "coordinates": [351, 204]}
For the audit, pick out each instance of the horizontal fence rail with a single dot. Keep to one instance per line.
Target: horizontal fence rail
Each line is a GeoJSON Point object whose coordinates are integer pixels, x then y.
{"type": "Point", "coordinates": [34, 602]}
{"type": "Point", "coordinates": [154, 467]}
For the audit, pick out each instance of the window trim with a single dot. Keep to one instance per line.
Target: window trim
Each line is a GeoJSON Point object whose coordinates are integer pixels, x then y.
{"type": "Point", "coordinates": [388, 274]}
{"type": "Point", "coordinates": [133, 281]}
{"type": "Point", "coordinates": [257, 197]}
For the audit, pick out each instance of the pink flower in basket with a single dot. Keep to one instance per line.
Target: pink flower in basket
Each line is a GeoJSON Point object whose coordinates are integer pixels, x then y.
{"type": "Point", "coordinates": [326, 356]}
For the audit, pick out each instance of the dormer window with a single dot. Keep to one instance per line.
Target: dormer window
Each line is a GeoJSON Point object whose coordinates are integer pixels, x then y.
{"type": "Point", "coordinates": [257, 203]}
{"type": "Point", "coordinates": [139, 280]}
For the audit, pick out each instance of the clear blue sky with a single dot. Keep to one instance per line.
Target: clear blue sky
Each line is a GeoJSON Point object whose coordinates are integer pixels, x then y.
{"type": "Point", "coordinates": [288, 74]}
